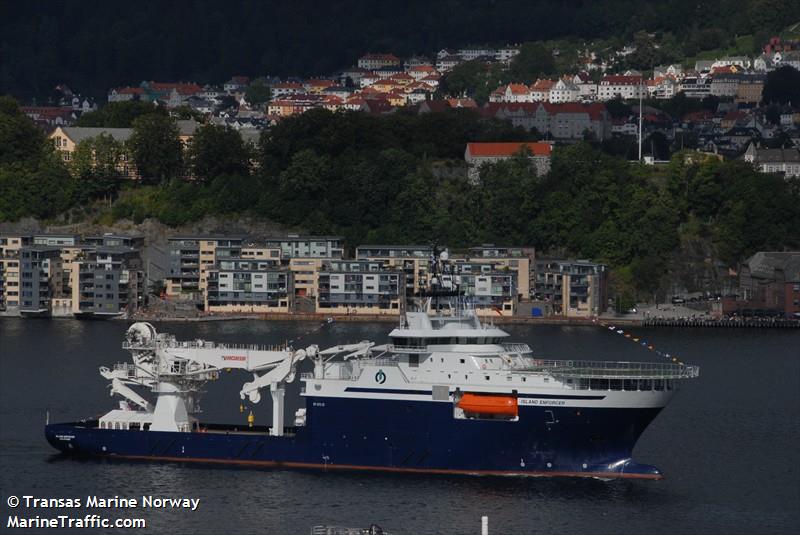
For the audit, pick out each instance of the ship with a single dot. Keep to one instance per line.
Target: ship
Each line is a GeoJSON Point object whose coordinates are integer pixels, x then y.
{"type": "Point", "coordinates": [447, 394]}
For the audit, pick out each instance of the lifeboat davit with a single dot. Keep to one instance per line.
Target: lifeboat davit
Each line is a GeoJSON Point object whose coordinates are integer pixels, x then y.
{"type": "Point", "coordinates": [489, 405]}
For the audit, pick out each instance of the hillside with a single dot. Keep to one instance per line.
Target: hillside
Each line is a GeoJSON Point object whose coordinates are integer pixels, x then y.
{"type": "Point", "coordinates": [93, 45]}
{"type": "Point", "coordinates": [400, 179]}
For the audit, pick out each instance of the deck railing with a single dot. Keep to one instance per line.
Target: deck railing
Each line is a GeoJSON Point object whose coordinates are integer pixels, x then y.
{"type": "Point", "coordinates": [407, 349]}
{"type": "Point", "coordinates": [520, 349]}
{"type": "Point", "coordinates": [204, 344]}
{"type": "Point", "coordinates": [598, 369]}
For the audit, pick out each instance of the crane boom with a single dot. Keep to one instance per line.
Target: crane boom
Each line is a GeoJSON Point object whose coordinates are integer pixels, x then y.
{"type": "Point", "coordinates": [177, 370]}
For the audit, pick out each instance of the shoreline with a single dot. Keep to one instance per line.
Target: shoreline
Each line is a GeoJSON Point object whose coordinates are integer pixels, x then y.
{"type": "Point", "coordinates": [499, 320]}
{"type": "Point", "coordinates": [604, 321]}
{"type": "Point", "coordinates": [382, 318]}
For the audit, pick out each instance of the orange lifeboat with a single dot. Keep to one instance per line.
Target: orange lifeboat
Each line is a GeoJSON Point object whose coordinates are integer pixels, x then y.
{"type": "Point", "coordinates": [489, 405]}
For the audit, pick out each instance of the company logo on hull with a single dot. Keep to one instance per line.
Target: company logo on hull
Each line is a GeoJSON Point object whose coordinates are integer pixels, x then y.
{"type": "Point", "coordinates": [380, 377]}
{"type": "Point", "coordinates": [239, 358]}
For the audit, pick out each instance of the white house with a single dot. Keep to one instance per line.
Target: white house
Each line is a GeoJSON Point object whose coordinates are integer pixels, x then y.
{"type": "Point", "coordinates": [586, 87]}
{"type": "Point", "coordinates": [506, 53]}
{"type": "Point", "coordinates": [627, 87]}
{"type": "Point", "coordinates": [447, 63]}
{"type": "Point", "coordinates": [667, 70]}
{"type": "Point", "coordinates": [564, 91]}
{"type": "Point", "coordinates": [478, 154]}
{"type": "Point", "coordinates": [782, 161]}
{"type": "Point", "coordinates": [475, 52]}
{"type": "Point", "coordinates": [511, 93]}
{"type": "Point", "coordinates": [742, 62]}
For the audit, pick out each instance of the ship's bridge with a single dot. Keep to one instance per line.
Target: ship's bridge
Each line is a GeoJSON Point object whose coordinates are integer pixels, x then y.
{"type": "Point", "coordinates": [420, 330]}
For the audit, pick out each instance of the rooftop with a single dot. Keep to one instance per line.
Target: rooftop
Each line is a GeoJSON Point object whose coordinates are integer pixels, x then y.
{"type": "Point", "coordinates": [765, 263]}
{"type": "Point", "coordinates": [207, 237]}
{"type": "Point", "coordinates": [297, 237]}
{"type": "Point", "coordinates": [508, 149]}
{"type": "Point", "coordinates": [79, 133]}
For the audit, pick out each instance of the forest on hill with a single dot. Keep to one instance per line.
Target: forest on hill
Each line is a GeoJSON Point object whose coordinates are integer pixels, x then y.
{"type": "Point", "coordinates": [93, 45]}
{"type": "Point", "coordinates": [401, 179]}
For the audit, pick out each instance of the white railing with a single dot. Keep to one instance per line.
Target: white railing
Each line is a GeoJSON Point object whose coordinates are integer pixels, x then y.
{"type": "Point", "coordinates": [597, 369]}
{"type": "Point", "coordinates": [517, 348]}
{"type": "Point", "coordinates": [204, 344]}
{"type": "Point", "coordinates": [129, 369]}
{"type": "Point", "coordinates": [407, 349]}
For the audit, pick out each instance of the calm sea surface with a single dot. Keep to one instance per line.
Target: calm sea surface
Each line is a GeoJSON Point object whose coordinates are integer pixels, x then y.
{"type": "Point", "coordinates": [728, 443]}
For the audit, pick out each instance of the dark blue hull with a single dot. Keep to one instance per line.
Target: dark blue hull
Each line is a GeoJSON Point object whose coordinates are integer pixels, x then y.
{"type": "Point", "coordinates": [394, 435]}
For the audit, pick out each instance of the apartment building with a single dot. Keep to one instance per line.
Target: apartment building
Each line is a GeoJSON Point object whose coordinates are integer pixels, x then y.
{"type": "Point", "coordinates": [623, 86]}
{"type": "Point", "coordinates": [257, 252]}
{"type": "Point", "coordinates": [572, 288]}
{"type": "Point", "coordinates": [56, 240]}
{"type": "Point", "coordinates": [10, 246]}
{"type": "Point", "coordinates": [55, 274]}
{"type": "Point", "coordinates": [726, 84]}
{"type": "Point", "coordinates": [360, 287]}
{"type": "Point", "coordinates": [490, 289]}
{"type": "Point", "coordinates": [413, 260]}
{"type": "Point", "coordinates": [295, 246]}
{"type": "Point", "coordinates": [514, 259]}
{"type": "Point", "coordinates": [239, 284]}
{"type": "Point", "coordinates": [40, 279]}
{"type": "Point", "coordinates": [110, 239]}
{"type": "Point", "coordinates": [376, 61]}
{"type": "Point", "coordinates": [107, 281]}
{"type": "Point", "coordinates": [191, 256]}
{"type": "Point", "coordinates": [305, 272]}
{"type": "Point", "coordinates": [570, 120]}
{"type": "Point", "coordinates": [750, 89]}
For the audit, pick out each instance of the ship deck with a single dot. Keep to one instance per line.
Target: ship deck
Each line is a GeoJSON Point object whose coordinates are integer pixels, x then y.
{"type": "Point", "coordinates": [210, 428]}
{"type": "Point", "coordinates": [597, 369]}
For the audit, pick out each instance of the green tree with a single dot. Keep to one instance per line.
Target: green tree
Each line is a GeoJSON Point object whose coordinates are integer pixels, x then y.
{"type": "Point", "coordinates": [217, 150]}
{"type": "Point", "coordinates": [43, 192]}
{"type": "Point", "coordinates": [94, 167]}
{"type": "Point", "coordinates": [185, 113]}
{"type": "Point", "coordinates": [533, 61]}
{"type": "Point", "coordinates": [257, 93]}
{"type": "Point", "coordinates": [617, 108]}
{"type": "Point", "coordinates": [657, 145]}
{"type": "Point", "coordinates": [155, 148]}
{"type": "Point", "coordinates": [301, 187]}
{"type": "Point", "coordinates": [100, 155]}
{"type": "Point", "coordinates": [646, 55]}
{"type": "Point", "coordinates": [119, 114]}
{"type": "Point", "coordinates": [20, 140]}
{"type": "Point", "coordinates": [782, 86]}
{"type": "Point", "coordinates": [500, 198]}
{"type": "Point", "coordinates": [773, 115]}
{"type": "Point", "coordinates": [463, 78]}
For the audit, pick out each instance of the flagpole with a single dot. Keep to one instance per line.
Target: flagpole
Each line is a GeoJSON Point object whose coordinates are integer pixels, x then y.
{"type": "Point", "coordinates": [640, 119]}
